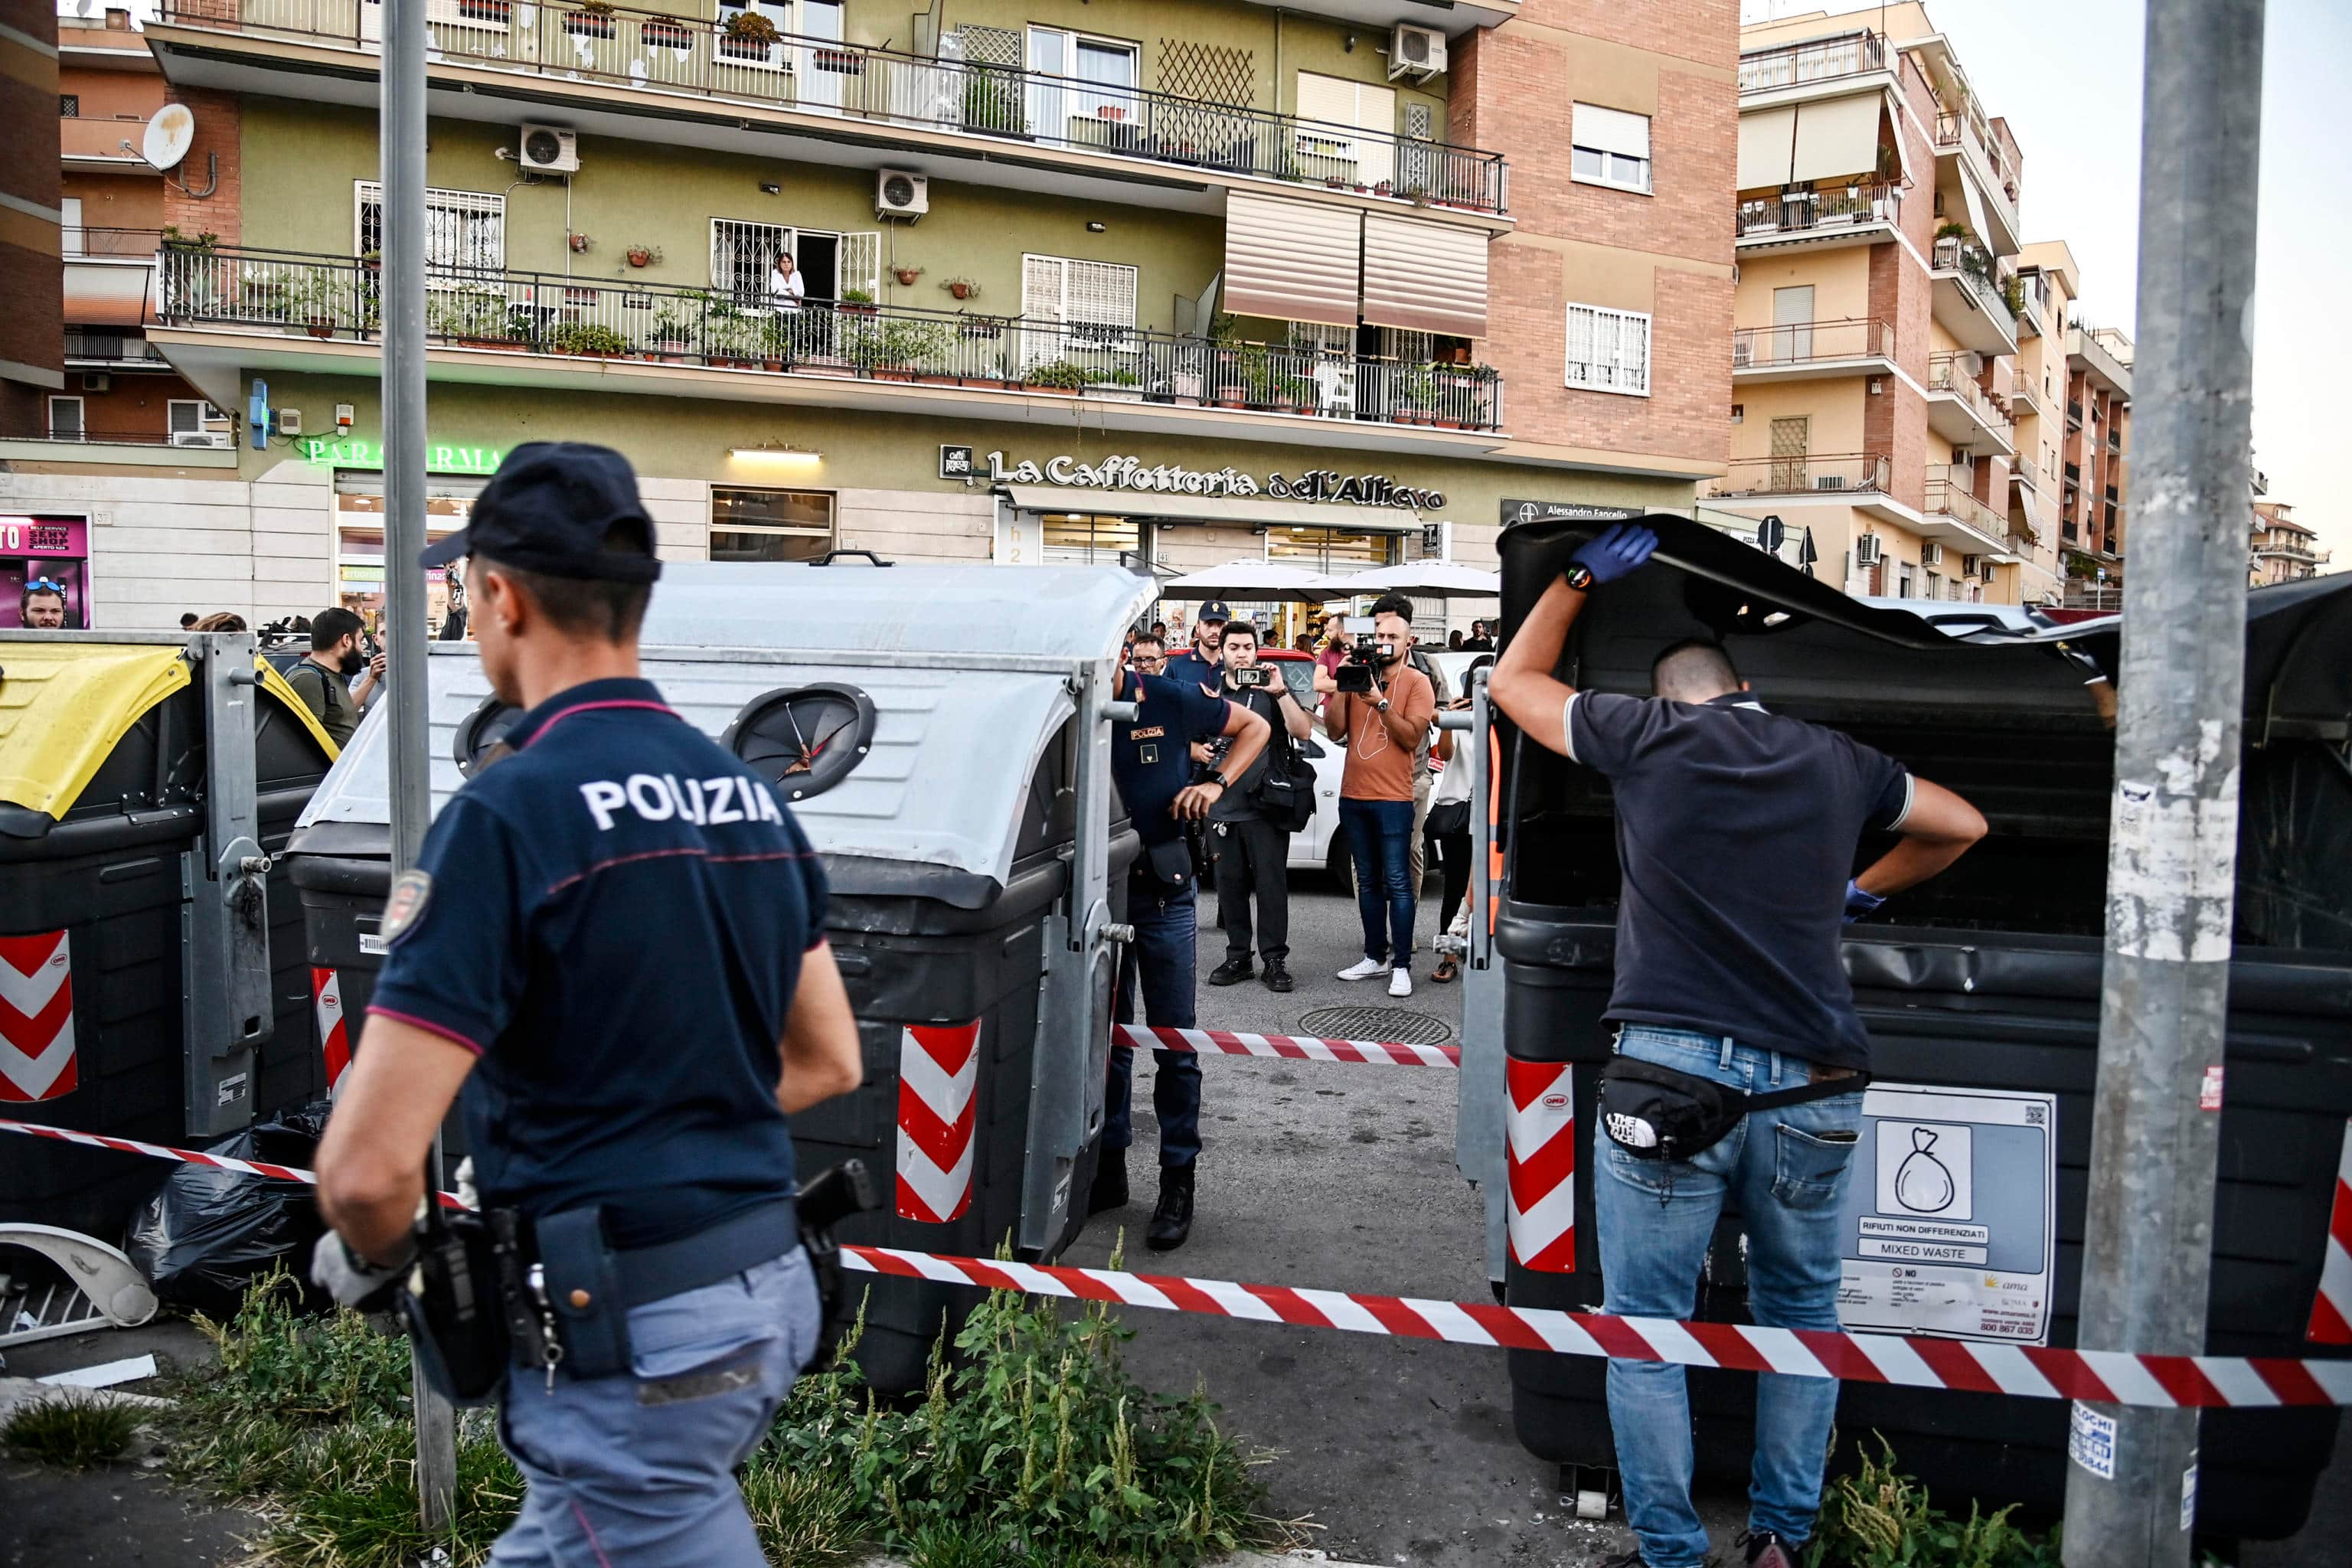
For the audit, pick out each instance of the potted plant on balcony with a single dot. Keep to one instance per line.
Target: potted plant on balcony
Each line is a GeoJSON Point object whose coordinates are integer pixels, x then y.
{"type": "Point", "coordinates": [316, 300]}
{"type": "Point", "coordinates": [1416, 396]}
{"type": "Point", "coordinates": [1114, 385]}
{"type": "Point", "coordinates": [991, 101]}
{"type": "Point", "coordinates": [1061, 375]}
{"type": "Point", "coordinates": [856, 302]}
{"type": "Point", "coordinates": [643, 255]}
{"type": "Point", "coordinates": [961, 287]}
{"type": "Point", "coordinates": [589, 340]}
{"type": "Point", "coordinates": [906, 275]}
{"type": "Point", "coordinates": [475, 316]}
{"type": "Point", "coordinates": [729, 337]}
{"type": "Point", "coordinates": [752, 35]}
{"type": "Point", "coordinates": [671, 334]}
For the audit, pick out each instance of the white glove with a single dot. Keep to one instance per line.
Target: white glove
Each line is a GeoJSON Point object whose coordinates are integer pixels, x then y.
{"type": "Point", "coordinates": [352, 1279]}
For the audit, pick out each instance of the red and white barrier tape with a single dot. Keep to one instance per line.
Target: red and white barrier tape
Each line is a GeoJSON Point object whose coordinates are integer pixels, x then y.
{"type": "Point", "coordinates": [184, 1156]}
{"type": "Point", "coordinates": [1298, 1047]}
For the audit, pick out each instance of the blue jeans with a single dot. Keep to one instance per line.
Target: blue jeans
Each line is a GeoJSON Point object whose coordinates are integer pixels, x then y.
{"type": "Point", "coordinates": [1380, 844]}
{"type": "Point", "coordinates": [1788, 1167]}
{"type": "Point", "coordinates": [1167, 940]}
{"type": "Point", "coordinates": [640, 1470]}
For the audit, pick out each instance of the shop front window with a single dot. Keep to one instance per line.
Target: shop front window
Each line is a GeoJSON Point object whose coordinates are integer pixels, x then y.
{"type": "Point", "coordinates": [359, 546]}
{"type": "Point", "coordinates": [1086, 539]}
{"type": "Point", "coordinates": [753, 525]}
{"type": "Point", "coordinates": [1332, 550]}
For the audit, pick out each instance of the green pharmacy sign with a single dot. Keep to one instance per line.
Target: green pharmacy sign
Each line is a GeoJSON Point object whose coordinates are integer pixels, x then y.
{"type": "Point", "coordinates": [438, 459]}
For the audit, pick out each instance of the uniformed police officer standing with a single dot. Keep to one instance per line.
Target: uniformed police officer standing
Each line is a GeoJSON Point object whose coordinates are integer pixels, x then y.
{"type": "Point", "coordinates": [613, 942]}
{"type": "Point", "coordinates": [1152, 761]}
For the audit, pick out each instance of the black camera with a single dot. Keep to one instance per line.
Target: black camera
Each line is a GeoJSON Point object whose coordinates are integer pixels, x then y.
{"type": "Point", "coordinates": [1254, 677]}
{"type": "Point", "coordinates": [1355, 674]}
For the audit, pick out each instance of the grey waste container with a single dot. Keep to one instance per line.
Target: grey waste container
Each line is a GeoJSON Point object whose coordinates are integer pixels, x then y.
{"type": "Point", "coordinates": [940, 734]}
{"type": "Point", "coordinates": [1980, 990]}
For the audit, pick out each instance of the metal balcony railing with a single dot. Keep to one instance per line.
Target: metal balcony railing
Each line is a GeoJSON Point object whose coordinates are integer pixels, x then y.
{"type": "Point", "coordinates": [98, 345]}
{"type": "Point", "coordinates": [1819, 59]}
{"type": "Point", "coordinates": [542, 313]}
{"type": "Point", "coordinates": [1950, 497]}
{"type": "Point", "coordinates": [1969, 134]}
{"type": "Point", "coordinates": [1788, 476]}
{"type": "Point", "coordinates": [2022, 469]}
{"type": "Point", "coordinates": [1808, 342]}
{"type": "Point", "coordinates": [105, 438]}
{"type": "Point", "coordinates": [112, 243]}
{"type": "Point", "coordinates": [1819, 208]}
{"type": "Point", "coordinates": [860, 82]}
{"type": "Point", "coordinates": [1979, 273]}
{"type": "Point", "coordinates": [1947, 374]}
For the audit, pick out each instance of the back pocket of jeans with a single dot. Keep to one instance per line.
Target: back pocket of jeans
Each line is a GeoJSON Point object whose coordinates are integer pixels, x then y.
{"type": "Point", "coordinates": [1807, 1165]}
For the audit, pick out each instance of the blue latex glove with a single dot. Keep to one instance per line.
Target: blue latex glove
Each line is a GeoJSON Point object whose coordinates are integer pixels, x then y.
{"type": "Point", "coordinates": [1616, 551]}
{"type": "Point", "coordinates": [1860, 901]}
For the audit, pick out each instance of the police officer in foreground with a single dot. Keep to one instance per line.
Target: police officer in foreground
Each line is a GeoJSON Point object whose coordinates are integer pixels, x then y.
{"type": "Point", "coordinates": [1151, 762]}
{"type": "Point", "coordinates": [614, 944]}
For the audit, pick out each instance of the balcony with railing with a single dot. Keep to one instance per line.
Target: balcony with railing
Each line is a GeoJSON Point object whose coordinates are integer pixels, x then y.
{"type": "Point", "coordinates": [1952, 513]}
{"type": "Point", "coordinates": [1864, 472]}
{"type": "Point", "coordinates": [1814, 61]}
{"type": "Point", "coordinates": [138, 245]}
{"type": "Point", "coordinates": [1820, 213]}
{"type": "Point", "coordinates": [1968, 301]}
{"type": "Point", "coordinates": [1959, 410]}
{"type": "Point", "coordinates": [103, 348]}
{"type": "Point", "coordinates": [1991, 157]}
{"type": "Point", "coordinates": [886, 90]}
{"type": "Point", "coordinates": [108, 145]}
{"type": "Point", "coordinates": [2021, 469]}
{"type": "Point", "coordinates": [1794, 350]}
{"type": "Point", "coordinates": [2103, 356]}
{"type": "Point", "coordinates": [336, 299]}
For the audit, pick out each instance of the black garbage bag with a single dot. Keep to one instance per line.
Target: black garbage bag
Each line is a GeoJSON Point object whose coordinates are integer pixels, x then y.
{"type": "Point", "coordinates": [207, 1235]}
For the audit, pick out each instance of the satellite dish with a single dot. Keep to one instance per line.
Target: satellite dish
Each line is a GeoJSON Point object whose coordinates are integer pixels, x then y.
{"type": "Point", "coordinates": [169, 136]}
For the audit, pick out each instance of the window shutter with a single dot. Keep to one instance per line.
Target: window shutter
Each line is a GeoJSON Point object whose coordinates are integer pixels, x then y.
{"type": "Point", "coordinates": [1100, 292]}
{"type": "Point", "coordinates": [1043, 289]}
{"type": "Point", "coordinates": [860, 261]}
{"type": "Point", "coordinates": [1612, 131]}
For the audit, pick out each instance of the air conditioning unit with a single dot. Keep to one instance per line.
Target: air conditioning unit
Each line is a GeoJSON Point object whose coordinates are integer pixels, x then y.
{"type": "Point", "coordinates": [550, 150]}
{"type": "Point", "coordinates": [1971, 363]}
{"type": "Point", "coordinates": [97, 381]}
{"type": "Point", "coordinates": [214, 439]}
{"type": "Point", "coordinates": [1972, 566]}
{"type": "Point", "coordinates": [1742, 353]}
{"type": "Point", "coordinates": [900, 193]}
{"type": "Point", "coordinates": [1985, 568]}
{"type": "Point", "coordinates": [1868, 550]}
{"type": "Point", "coordinates": [1931, 555]}
{"type": "Point", "coordinates": [1416, 52]}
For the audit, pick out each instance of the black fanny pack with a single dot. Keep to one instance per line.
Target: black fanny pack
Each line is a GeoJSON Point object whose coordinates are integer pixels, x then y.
{"type": "Point", "coordinates": [1657, 1113]}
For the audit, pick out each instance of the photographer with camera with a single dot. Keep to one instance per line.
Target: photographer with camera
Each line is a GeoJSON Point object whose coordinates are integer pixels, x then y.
{"type": "Point", "coordinates": [1252, 830]}
{"type": "Point", "coordinates": [1381, 710]}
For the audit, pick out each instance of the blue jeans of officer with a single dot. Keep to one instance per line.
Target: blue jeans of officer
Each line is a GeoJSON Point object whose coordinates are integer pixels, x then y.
{"type": "Point", "coordinates": [1167, 940]}
{"type": "Point", "coordinates": [1788, 1167]}
{"type": "Point", "coordinates": [1380, 843]}
{"type": "Point", "coordinates": [638, 1472]}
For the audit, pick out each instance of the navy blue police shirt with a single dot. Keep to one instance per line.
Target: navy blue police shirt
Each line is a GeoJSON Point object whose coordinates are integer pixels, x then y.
{"type": "Point", "coordinates": [614, 923]}
{"type": "Point", "coordinates": [1191, 668]}
{"type": "Point", "coordinates": [1736, 832]}
{"type": "Point", "coordinates": [1151, 755]}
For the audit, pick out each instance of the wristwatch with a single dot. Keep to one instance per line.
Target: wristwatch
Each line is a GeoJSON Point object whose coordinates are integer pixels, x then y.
{"type": "Point", "coordinates": [1578, 577]}
{"type": "Point", "coordinates": [1382, 705]}
{"type": "Point", "coordinates": [1219, 779]}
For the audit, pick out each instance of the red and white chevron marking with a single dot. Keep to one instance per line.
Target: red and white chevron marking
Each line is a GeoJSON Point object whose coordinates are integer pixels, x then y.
{"type": "Point", "coordinates": [1298, 1047]}
{"type": "Point", "coordinates": [1540, 1205]}
{"type": "Point", "coordinates": [326, 1003]}
{"type": "Point", "coordinates": [939, 1068]}
{"type": "Point", "coordinates": [2106, 1377]}
{"type": "Point", "coordinates": [2331, 1310]}
{"type": "Point", "coordinates": [37, 1017]}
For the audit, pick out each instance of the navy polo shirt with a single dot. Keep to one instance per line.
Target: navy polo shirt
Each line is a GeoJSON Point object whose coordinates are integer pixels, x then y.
{"type": "Point", "coordinates": [614, 923]}
{"type": "Point", "coordinates": [1151, 757]}
{"type": "Point", "coordinates": [1190, 666]}
{"type": "Point", "coordinates": [1736, 830]}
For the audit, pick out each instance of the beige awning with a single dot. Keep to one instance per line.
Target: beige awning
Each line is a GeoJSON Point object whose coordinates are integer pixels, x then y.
{"type": "Point", "coordinates": [1295, 262]}
{"type": "Point", "coordinates": [1423, 276]}
{"type": "Point", "coordinates": [1837, 138]}
{"type": "Point", "coordinates": [1242, 509]}
{"type": "Point", "coordinates": [1891, 115]}
{"type": "Point", "coordinates": [1974, 199]}
{"type": "Point", "coordinates": [1765, 139]}
{"type": "Point", "coordinates": [106, 294]}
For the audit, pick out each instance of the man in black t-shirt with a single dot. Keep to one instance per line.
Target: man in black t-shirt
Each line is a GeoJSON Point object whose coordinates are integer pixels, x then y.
{"type": "Point", "coordinates": [1737, 832]}
{"type": "Point", "coordinates": [1253, 854]}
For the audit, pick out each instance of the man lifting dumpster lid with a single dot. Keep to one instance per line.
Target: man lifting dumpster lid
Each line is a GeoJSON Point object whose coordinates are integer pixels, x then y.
{"type": "Point", "coordinates": [1151, 758]}
{"type": "Point", "coordinates": [626, 1079]}
{"type": "Point", "coordinates": [1740, 1059]}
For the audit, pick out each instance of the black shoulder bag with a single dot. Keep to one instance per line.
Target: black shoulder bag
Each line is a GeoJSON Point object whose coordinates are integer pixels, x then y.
{"type": "Point", "coordinates": [1656, 1113]}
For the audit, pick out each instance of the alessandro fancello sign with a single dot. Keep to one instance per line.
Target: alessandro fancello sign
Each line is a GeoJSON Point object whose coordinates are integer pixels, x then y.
{"type": "Point", "coordinates": [1131, 473]}
{"type": "Point", "coordinates": [438, 459]}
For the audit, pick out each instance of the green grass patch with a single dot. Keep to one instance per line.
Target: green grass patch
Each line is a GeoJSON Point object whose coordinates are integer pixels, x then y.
{"type": "Point", "coordinates": [71, 1430]}
{"type": "Point", "coordinates": [1880, 1518]}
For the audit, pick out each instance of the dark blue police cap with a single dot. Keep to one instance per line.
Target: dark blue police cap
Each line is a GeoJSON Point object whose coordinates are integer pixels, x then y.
{"type": "Point", "coordinates": [548, 509]}
{"type": "Point", "coordinates": [1216, 610]}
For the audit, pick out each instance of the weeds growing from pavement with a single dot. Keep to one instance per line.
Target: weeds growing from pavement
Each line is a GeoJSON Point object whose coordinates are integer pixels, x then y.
{"type": "Point", "coordinates": [1880, 1518]}
{"type": "Point", "coordinates": [1034, 1443]}
{"type": "Point", "coordinates": [71, 1430]}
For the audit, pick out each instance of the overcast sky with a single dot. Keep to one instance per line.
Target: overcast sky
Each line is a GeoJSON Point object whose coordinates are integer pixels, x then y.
{"type": "Point", "coordinates": [2067, 76]}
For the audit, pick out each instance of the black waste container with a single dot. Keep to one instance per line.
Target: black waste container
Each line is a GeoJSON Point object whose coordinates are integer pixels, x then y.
{"type": "Point", "coordinates": [1982, 988]}
{"type": "Point", "coordinates": [106, 770]}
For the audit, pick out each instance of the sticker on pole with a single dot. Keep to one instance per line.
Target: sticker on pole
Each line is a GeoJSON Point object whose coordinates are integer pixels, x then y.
{"type": "Point", "coordinates": [1949, 1224]}
{"type": "Point", "coordinates": [2091, 1441]}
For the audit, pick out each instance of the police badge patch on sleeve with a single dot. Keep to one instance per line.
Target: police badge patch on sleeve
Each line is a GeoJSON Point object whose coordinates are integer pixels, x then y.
{"type": "Point", "coordinates": [411, 891]}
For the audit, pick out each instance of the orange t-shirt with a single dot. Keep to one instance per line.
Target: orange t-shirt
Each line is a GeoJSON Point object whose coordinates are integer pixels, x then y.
{"type": "Point", "coordinates": [1378, 767]}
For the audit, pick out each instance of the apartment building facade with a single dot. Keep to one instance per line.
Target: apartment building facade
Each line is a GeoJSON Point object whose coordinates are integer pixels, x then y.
{"type": "Point", "coordinates": [1876, 319]}
{"type": "Point", "coordinates": [2283, 550]}
{"type": "Point", "coordinates": [1167, 286]}
{"type": "Point", "coordinates": [2070, 397]}
{"type": "Point", "coordinates": [31, 242]}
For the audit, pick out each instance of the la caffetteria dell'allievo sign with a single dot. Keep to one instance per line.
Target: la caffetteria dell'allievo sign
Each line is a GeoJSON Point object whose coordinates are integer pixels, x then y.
{"type": "Point", "coordinates": [1131, 473]}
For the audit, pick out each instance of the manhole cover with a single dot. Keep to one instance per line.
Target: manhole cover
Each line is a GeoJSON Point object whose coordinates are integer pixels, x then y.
{"type": "Point", "coordinates": [1398, 1024]}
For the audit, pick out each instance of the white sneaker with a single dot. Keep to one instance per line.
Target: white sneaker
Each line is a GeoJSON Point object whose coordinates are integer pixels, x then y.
{"type": "Point", "coordinates": [1400, 981]}
{"type": "Point", "coordinates": [1364, 969]}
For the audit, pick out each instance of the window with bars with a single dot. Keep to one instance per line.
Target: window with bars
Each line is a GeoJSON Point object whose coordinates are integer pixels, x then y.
{"type": "Point", "coordinates": [741, 256]}
{"type": "Point", "coordinates": [1069, 303]}
{"type": "Point", "coordinates": [70, 106]}
{"type": "Point", "coordinates": [1323, 338]}
{"type": "Point", "coordinates": [1609, 351]}
{"type": "Point", "coordinates": [463, 229]}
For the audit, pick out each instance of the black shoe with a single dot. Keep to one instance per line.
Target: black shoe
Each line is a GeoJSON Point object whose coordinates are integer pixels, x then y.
{"type": "Point", "coordinates": [1277, 975]}
{"type": "Point", "coordinates": [1231, 972]}
{"type": "Point", "coordinates": [1171, 1221]}
{"type": "Point", "coordinates": [1109, 1191]}
{"type": "Point", "coordinates": [1765, 1548]}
